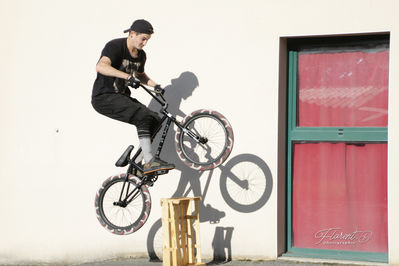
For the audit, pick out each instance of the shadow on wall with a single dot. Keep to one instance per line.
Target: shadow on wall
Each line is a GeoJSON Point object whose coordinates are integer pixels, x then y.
{"type": "Point", "coordinates": [222, 244]}
{"type": "Point", "coordinates": [245, 180]}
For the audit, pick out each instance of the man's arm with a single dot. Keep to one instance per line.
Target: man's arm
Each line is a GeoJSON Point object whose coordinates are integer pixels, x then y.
{"type": "Point", "coordinates": [145, 79]}
{"type": "Point", "coordinates": [104, 67]}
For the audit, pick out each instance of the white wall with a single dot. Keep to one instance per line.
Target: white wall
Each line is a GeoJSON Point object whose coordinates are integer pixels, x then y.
{"type": "Point", "coordinates": [56, 150]}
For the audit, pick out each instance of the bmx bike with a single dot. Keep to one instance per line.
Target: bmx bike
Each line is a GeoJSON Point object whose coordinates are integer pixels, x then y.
{"type": "Point", "coordinates": [203, 141]}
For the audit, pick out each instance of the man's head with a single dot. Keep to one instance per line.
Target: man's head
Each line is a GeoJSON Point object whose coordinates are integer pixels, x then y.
{"type": "Point", "coordinates": [139, 33]}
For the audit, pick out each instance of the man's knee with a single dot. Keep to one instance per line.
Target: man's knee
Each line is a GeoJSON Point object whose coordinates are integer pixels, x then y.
{"type": "Point", "coordinates": [148, 124]}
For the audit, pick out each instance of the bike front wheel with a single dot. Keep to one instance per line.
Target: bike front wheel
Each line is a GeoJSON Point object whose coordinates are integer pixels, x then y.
{"type": "Point", "coordinates": [121, 207]}
{"type": "Point", "coordinates": [215, 143]}
{"type": "Point", "coordinates": [246, 183]}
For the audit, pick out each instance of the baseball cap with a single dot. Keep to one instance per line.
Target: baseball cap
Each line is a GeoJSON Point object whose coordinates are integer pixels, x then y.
{"type": "Point", "coordinates": [141, 26]}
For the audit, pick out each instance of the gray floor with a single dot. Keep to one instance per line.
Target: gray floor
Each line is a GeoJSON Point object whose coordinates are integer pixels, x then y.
{"type": "Point", "coordinates": [279, 262]}
{"type": "Point", "coordinates": [146, 262]}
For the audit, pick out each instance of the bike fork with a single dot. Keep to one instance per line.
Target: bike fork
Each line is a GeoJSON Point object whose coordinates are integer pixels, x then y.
{"type": "Point", "coordinates": [129, 196]}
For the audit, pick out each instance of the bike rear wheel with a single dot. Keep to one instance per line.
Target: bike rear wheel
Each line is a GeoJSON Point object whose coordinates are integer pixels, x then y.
{"type": "Point", "coordinates": [118, 213]}
{"type": "Point", "coordinates": [216, 141]}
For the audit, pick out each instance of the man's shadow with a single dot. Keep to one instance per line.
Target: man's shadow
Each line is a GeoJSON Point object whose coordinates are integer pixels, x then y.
{"type": "Point", "coordinates": [180, 89]}
{"type": "Point", "coordinates": [222, 250]}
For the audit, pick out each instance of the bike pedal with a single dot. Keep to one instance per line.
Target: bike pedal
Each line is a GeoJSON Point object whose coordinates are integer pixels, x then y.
{"type": "Point", "coordinates": [162, 172]}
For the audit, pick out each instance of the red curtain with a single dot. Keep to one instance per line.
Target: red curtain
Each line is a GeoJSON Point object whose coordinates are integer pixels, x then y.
{"type": "Point", "coordinates": [348, 89]}
{"type": "Point", "coordinates": [340, 196]}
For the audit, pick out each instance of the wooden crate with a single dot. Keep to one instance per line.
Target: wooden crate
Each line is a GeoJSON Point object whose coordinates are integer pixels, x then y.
{"type": "Point", "coordinates": [180, 232]}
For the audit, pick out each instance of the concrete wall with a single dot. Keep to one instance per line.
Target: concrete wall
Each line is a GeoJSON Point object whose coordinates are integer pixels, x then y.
{"type": "Point", "coordinates": [56, 150]}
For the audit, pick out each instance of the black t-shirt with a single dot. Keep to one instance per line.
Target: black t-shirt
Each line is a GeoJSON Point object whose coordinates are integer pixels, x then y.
{"type": "Point", "coordinates": [117, 51]}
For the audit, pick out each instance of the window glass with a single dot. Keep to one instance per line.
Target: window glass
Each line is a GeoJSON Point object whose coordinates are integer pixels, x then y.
{"type": "Point", "coordinates": [339, 196]}
{"type": "Point", "coordinates": [346, 88]}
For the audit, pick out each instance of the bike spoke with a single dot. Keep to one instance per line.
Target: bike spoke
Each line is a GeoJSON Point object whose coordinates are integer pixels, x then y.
{"type": "Point", "coordinates": [256, 184]}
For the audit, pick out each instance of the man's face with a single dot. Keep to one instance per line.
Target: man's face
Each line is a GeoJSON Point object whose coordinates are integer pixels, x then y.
{"type": "Point", "coordinates": [139, 39]}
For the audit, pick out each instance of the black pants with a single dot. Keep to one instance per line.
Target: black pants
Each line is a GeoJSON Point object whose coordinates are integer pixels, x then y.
{"type": "Point", "coordinates": [129, 110]}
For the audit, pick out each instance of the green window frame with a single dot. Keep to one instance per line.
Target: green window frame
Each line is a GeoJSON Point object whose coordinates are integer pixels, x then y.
{"type": "Point", "coordinates": [297, 134]}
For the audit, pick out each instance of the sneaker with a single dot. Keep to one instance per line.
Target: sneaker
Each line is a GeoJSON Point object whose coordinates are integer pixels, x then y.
{"type": "Point", "coordinates": [157, 164]}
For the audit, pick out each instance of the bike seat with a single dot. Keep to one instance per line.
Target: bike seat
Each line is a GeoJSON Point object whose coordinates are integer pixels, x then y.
{"type": "Point", "coordinates": [125, 157]}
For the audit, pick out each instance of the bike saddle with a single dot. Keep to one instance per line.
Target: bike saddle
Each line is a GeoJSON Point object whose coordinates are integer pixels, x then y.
{"type": "Point", "coordinates": [125, 157]}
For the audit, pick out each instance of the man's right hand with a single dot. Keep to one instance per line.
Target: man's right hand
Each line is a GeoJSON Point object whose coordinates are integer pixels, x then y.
{"type": "Point", "coordinates": [159, 90]}
{"type": "Point", "coordinates": [133, 82]}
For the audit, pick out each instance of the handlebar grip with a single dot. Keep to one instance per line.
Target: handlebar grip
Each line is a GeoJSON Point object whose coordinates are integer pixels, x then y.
{"type": "Point", "coordinates": [159, 90]}
{"type": "Point", "coordinates": [132, 82]}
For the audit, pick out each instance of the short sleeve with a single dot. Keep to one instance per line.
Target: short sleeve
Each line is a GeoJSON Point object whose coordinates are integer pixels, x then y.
{"type": "Point", "coordinates": [112, 51]}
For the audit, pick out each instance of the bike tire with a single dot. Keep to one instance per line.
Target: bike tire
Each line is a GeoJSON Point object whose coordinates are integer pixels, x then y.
{"type": "Point", "coordinates": [113, 218]}
{"type": "Point", "coordinates": [219, 133]}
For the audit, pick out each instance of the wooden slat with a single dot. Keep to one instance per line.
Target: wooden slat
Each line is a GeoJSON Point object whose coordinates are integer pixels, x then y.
{"type": "Point", "coordinates": [166, 240]}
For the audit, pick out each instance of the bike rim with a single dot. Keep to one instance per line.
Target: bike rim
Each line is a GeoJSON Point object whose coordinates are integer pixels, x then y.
{"type": "Point", "coordinates": [211, 128]}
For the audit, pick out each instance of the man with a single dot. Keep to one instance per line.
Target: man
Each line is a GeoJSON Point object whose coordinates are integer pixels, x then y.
{"type": "Point", "coordinates": [122, 60]}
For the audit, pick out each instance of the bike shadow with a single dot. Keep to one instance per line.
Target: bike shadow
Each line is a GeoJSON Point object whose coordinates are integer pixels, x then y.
{"type": "Point", "coordinates": [247, 172]}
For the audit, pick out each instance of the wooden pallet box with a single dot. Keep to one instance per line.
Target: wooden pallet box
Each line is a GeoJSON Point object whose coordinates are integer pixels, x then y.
{"type": "Point", "coordinates": [181, 232]}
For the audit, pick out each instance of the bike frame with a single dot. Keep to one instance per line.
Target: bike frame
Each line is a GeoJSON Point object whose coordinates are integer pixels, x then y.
{"type": "Point", "coordinates": [169, 118]}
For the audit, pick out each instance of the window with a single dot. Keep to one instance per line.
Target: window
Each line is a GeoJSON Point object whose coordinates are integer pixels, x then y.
{"type": "Point", "coordinates": [337, 147]}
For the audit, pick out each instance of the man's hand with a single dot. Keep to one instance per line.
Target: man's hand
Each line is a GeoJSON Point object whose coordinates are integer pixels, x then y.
{"type": "Point", "coordinates": [158, 89]}
{"type": "Point", "coordinates": [133, 82]}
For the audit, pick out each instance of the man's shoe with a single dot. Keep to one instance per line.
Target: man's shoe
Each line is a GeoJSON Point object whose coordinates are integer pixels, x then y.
{"type": "Point", "coordinates": [157, 164]}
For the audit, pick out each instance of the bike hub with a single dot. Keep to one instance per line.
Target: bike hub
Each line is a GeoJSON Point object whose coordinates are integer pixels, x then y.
{"type": "Point", "coordinates": [203, 140]}
{"type": "Point", "coordinates": [120, 204]}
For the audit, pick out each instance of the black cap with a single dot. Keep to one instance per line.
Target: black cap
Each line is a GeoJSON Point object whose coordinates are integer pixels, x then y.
{"type": "Point", "coordinates": [141, 26]}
